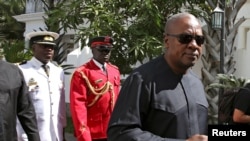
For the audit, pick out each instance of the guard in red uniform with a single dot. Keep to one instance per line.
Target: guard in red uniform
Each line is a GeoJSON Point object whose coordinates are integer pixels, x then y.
{"type": "Point", "coordinates": [93, 92]}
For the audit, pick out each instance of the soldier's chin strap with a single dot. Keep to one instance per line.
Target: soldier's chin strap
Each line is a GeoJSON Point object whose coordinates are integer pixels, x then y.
{"type": "Point", "coordinates": [99, 91]}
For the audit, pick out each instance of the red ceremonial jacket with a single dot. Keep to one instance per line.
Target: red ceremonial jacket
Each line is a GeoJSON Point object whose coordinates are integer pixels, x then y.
{"type": "Point", "coordinates": [92, 97]}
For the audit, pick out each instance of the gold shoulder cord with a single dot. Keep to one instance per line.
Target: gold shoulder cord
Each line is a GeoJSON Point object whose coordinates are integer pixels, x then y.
{"type": "Point", "coordinates": [99, 91]}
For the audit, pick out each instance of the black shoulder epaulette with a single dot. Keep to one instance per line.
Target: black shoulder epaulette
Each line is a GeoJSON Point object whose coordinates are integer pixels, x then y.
{"type": "Point", "coordinates": [24, 62]}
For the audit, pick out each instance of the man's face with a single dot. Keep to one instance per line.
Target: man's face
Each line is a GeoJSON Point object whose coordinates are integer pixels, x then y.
{"type": "Point", "coordinates": [184, 43]}
{"type": "Point", "coordinates": [101, 53]}
{"type": "Point", "coordinates": [42, 52]}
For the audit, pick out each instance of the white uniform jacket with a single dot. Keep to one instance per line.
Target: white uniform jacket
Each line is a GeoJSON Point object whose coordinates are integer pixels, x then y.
{"type": "Point", "coordinates": [47, 94]}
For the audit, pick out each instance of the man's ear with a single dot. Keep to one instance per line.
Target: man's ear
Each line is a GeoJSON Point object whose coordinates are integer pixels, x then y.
{"type": "Point", "coordinates": [166, 42]}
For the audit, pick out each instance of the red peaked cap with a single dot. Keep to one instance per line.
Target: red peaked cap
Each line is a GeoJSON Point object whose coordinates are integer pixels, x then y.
{"type": "Point", "coordinates": [101, 40]}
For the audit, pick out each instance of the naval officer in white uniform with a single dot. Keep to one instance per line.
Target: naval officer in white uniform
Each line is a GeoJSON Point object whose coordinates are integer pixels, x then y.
{"type": "Point", "coordinates": [46, 87]}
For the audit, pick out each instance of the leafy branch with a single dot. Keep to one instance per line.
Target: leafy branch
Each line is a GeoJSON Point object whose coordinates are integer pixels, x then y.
{"type": "Point", "coordinates": [229, 81]}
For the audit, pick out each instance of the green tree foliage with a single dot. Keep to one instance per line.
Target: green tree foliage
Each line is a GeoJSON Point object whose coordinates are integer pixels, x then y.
{"type": "Point", "coordinates": [137, 26]}
{"type": "Point", "coordinates": [229, 81]}
{"type": "Point", "coordinates": [9, 27]}
{"type": "Point", "coordinates": [11, 31]}
{"type": "Point", "coordinates": [15, 52]}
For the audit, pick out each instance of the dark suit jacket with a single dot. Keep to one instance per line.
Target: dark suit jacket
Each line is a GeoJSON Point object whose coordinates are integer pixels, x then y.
{"type": "Point", "coordinates": [15, 102]}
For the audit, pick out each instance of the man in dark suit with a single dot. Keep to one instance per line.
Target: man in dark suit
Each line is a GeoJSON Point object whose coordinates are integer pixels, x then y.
{"type": "Point", "coordinates": [15, 103]}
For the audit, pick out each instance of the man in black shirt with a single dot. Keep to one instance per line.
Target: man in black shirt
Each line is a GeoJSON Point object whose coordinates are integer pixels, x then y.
{"type": "Point", "coordinates": [241, 114]}
{"type": "Point", "coordinates": [163, 100]}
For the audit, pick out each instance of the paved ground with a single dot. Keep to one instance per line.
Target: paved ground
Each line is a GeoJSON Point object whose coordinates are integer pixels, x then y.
{"type": "Point", "coordinates": [70, 137]}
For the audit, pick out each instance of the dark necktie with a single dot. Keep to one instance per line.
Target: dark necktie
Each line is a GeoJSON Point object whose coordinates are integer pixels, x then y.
{"type": "Point", "coordinates": [46, 69]}
{"type": "Point", "coordinates": [104, 69]}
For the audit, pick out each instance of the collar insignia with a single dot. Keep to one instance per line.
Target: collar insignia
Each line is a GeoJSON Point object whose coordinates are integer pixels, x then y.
{"type": "Point", "coordinates": [32, 82]}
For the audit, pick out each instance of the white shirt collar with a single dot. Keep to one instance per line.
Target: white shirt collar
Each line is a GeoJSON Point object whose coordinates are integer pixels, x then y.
{"type": "Point", "coordinates": [99, 64]}
{"type": "Point", "coordinates": [38, 63]}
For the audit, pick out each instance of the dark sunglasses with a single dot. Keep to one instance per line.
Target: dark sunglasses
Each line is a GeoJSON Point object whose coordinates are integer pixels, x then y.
{"type": "Point", "coordinates": [103, 48]}
{"type": "Point", "coordinates": [187, 38]}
